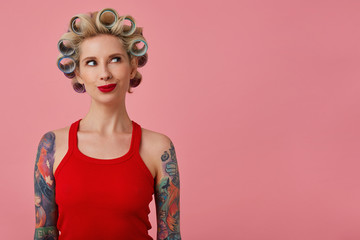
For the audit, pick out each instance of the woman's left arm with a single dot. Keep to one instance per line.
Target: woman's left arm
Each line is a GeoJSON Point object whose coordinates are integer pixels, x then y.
{"type": "Point", "coordinates": [167, 193]}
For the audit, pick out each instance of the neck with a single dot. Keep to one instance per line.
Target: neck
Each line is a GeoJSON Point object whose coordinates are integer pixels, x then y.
{"type": "Point", "coordinates": [107, 119]}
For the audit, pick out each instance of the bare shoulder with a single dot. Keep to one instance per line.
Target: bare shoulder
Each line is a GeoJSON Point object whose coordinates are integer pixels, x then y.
{"type": "Point", "coordinates": [155, 142]}
{"type": "Point", "coordinates": [61, 145]}
{"type": "Point", "coordinates": [157, 146]}
{"type": "Point", "coordinates": [156, 139]}
{"type": "Point", "coordinates": [61, 135]}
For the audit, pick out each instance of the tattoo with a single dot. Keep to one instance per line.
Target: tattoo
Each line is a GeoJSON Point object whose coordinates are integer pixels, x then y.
{"type": "Point", "coordinates": [46, 212]}
{"type": "Point", "coordinates": [168, 198]}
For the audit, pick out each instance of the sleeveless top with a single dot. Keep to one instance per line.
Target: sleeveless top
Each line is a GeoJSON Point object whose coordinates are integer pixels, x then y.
{"type": "Point", "coordinates": [103, 198]}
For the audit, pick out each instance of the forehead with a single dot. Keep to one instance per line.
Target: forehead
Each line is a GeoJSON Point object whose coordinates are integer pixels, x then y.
{"type": "Point", "coordinates": [101, 45]}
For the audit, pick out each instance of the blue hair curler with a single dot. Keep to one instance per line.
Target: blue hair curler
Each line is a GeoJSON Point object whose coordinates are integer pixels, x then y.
{"type": "Point", "coordinates": [73, 26]}
{"type": "Point", "coordinates": [132, 30]}
{"type": "Point", "coordinates": [66, 50]}
{"type": "Point", "coordinates": [140, 52]}
{"type": "Point", "coordinates": [69, 65]}
{"type": "Point", "coordinates": [110, 11]}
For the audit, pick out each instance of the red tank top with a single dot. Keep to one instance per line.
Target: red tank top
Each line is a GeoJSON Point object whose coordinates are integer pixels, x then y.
{"type": "Point", "coordinates": [103, 198]}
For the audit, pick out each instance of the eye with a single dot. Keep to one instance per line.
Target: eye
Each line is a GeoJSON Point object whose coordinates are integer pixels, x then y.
{"type": "Point", "coordinates": [90, 61]}
{"type": "Point", "coordinates": [118, 58]}
{"type": "Point", "coordinates": [94, 61]}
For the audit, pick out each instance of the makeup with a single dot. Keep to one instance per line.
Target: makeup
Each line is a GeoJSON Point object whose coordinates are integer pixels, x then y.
{"type": "Point", "coordinates": [107, 88]}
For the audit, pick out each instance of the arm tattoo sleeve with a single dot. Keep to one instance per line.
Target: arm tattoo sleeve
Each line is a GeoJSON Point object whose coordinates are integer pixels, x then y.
{"type": "Point", "coordinates": [46, 211]}
{"type": "Point", "coordinates": [167, 197]}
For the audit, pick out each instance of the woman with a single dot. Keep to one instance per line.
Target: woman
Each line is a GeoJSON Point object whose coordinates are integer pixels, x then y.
{"type": "Point", "coordinates": [83, 189]}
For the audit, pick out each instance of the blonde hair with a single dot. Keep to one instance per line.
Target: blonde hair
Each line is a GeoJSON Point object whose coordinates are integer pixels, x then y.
{"type": "Point", "coordinates": [93, 24]}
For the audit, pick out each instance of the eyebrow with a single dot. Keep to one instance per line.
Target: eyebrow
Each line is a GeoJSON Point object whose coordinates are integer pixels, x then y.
{"type": "Point", "coordinates": [91, 57]}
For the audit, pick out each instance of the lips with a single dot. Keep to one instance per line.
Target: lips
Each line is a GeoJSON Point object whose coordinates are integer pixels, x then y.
{"type": "Point", "coordinates": [107, 88]}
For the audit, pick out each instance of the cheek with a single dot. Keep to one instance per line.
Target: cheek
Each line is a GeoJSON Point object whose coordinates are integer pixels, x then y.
{"type": "Point", "coordinates": [88, 75]}
{"type": "Point", "coordinates": [122, 77]}
{"type": "Point", "coordinates": [122, 71]}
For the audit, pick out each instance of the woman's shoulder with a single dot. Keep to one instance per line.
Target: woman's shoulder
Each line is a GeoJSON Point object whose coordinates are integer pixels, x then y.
{"type": "Point", "coordinates": [57, 138]}
{"type": "Point", "coordinates": [156, 139]}
{"type": "Point", "coordinates": [61, 136]}
{"type": "Point", "coordinates": [159, 148]}
{"type": "Point", "coordinates": [61, 131]}
{"type": "Point", "coordinates": [56, 133]}
{"type": "Point", "coordinates": [155, 143]}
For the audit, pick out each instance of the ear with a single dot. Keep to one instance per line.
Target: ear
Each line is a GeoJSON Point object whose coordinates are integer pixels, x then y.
{"type": "Point", "coordinates": [77, 75]}
{"type": "Point", "coordinates": [134, 64]}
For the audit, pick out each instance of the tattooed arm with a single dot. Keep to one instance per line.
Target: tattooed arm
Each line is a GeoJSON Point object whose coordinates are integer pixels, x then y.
{"type": "Point", "coordinates": [46, 211]}
{"type": "Point", "coordinates": [167, 193]}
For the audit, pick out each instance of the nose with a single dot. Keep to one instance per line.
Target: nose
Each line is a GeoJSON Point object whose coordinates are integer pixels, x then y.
{"type": "Point", "coordinates": [105, 73]}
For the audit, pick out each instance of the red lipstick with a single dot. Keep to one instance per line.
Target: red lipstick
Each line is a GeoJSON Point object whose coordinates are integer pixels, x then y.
{"type": "Point", "coordinates": [107, 88]}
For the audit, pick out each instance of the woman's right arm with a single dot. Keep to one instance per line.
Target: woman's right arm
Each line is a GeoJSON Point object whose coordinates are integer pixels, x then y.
{"type": "Point", "coordinates": [46, 211]}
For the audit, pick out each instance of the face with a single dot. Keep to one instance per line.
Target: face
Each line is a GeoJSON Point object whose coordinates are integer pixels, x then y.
{"type": "Point", "coordinates": [103, 61]}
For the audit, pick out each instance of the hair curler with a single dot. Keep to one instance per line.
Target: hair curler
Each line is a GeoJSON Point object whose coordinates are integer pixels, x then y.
{"type": "Point", "coordinates": [66, 47]}
{"type": "Point", "coordinates": [138, 52]}
{"type": "Point", "coordinates": [108, 17]}
{"type": "Point", "coordinates": [142, 60]}
{"type": "Point", "coordinates": [66, 64]}
{"type": "Point", "coordinates": [78, 87]}
{"type": "Point", "coordinates": [75, 25]}
{"type": "Point", "coordinates": [70, 75]}
{"type": "Point", "coordinates": [133, 26]}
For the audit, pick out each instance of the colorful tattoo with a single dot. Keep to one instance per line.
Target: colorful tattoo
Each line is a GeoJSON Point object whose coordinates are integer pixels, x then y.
{"type": "Point", "coordinates": [46, 211]}
{"type": "Point", "coordinates": [168, 198]}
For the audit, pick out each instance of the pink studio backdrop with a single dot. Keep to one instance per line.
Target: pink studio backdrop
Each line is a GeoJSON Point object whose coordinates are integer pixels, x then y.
{"type": "Point", "coordinates": [261, 99]}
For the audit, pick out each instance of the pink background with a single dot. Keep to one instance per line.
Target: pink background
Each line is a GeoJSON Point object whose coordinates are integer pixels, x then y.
{"type": "Point", "coordinates": [261, 100]}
